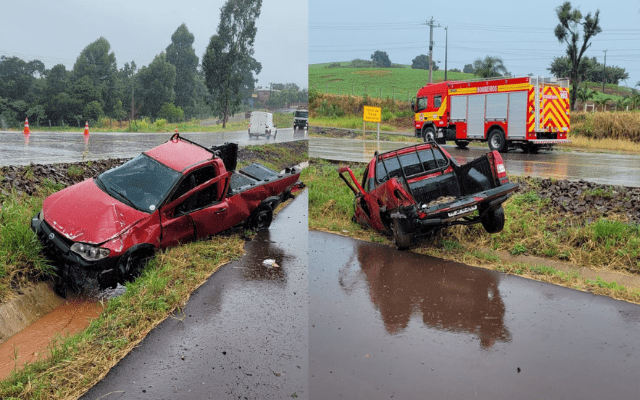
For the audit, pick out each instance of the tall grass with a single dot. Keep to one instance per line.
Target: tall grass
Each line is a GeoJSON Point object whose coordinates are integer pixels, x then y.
{"type": "Point", "coordinates": [606, 125]}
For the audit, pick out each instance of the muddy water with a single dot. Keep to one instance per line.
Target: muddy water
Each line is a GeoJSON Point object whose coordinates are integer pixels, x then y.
{"type": "Point", "coordinates": [388, 324]}
{"type": "Point", "coordinates": [243, 334]}
{"type": "Point", "coordinates": [31, 343]}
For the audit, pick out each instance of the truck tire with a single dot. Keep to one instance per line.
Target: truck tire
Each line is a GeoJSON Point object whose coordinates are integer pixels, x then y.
{"type": "Point", "coordinates": [132, 263]}
{"type": "Point", "coordinates": [493, 220]}
{"type": "Point", "coordinates": [428, 131]}
{"type": "Point", "coordinates": [260, 218]}
{"type": "Point", "coordinates": [401, 240]}
{"type": "Point", "coordinates": [462, 143]}
{"type": "Point", "coordinates": [497, 141]}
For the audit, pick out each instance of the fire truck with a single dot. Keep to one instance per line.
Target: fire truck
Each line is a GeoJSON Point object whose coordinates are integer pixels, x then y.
{"type": "Point", "coordinates": [526, 112]}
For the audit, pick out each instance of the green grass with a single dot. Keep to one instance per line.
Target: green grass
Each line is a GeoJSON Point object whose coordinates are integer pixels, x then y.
{"type": "Point", "coordinates": [375, 82]}
{"type": "Point", "coordinates": [75, 171]}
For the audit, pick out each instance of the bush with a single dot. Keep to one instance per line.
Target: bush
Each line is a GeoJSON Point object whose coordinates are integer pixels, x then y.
{"type": "Point", "coordinates": [334, 65]}
{"type": "Point", "coordinates": [93, 111]}
{"type": "Point", "coordinates": [160, 124]}
{"type": "Point", "coordinates": [171, 113]}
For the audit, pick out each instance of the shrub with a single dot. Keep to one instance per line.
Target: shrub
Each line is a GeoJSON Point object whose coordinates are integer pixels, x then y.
{"type": "Point", "coordinates": [171, 113]}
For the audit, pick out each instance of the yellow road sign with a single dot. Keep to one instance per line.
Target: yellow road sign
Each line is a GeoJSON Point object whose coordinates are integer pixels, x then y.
{"type": "Point", "coordinates": [372, 114]}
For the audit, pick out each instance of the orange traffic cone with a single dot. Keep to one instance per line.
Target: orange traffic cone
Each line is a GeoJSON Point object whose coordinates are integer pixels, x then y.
{"type": "Point", "coordinates": [176, 129]}
{"type": "Point", "coordinates": [26, 126]}
{"type": "Point", "coordinates": [86, 128]}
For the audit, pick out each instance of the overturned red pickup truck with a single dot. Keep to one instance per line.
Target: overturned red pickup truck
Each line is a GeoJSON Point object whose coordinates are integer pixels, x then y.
{"type": "Point", "coordinates": [414, 191]}
{"type": "Point", "coordinates": [107, 227]}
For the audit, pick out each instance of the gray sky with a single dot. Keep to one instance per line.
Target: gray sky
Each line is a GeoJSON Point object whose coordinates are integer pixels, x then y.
{"type": "Point", "coordinates": [519, 32]}
{"type": "Point", "coordinates": [55, 32]}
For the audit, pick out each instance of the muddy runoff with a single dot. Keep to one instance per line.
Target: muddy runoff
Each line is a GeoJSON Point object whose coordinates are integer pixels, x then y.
{"type": "Point", "coordinates": [388, 324]}
{"type": "Point", "coordinates": [242, 335]}
{"type": "Point", "coordinates": [33, 343]}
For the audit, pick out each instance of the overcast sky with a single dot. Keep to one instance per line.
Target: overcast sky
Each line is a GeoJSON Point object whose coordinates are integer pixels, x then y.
{"type": "Point", "coordinates": [519, 32]}
{"type": "Point", "coordinates": [55, 32]}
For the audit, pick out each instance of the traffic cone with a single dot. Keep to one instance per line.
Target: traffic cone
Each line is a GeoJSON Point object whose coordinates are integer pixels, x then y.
{"type": "Point", "coordinates": [86, 128]}
{"type": "Point", "coordinates": [26, 126]}
{"type": "Point", "coordinates": [176, 129]}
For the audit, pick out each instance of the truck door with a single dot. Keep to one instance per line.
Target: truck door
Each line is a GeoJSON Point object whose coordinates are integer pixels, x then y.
{"type": "Point", "coordinates": [366, 206]}
{"type": "Point", "coordinates": [198, 208]}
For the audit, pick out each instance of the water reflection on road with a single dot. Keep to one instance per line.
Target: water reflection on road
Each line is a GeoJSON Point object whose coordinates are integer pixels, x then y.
{"type": "Point", "coordinates": [611, 169]}
{"type": "Point", "coordinates": [389, 324]}
{"type": "Point", "coordinates": [17, 148]}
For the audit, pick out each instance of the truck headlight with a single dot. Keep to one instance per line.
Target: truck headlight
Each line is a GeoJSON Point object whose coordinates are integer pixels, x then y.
{"type": "Point", "coordinates": [89, 252]}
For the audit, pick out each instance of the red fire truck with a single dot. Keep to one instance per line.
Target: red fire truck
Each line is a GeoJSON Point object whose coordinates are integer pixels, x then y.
{"type": "Point", "coordinates": [528, 112]}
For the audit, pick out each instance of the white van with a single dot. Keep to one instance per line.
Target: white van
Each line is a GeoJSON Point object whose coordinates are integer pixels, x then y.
{"type": "Point", "coordinates": [261, 124]}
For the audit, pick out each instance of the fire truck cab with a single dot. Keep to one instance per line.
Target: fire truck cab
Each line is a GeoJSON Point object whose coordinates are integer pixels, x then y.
{"type": "Point", "coordinates": [528, 112]}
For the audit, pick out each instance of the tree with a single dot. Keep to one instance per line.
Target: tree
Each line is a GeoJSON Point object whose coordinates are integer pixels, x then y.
{"type": "Point", "coordinates": [468, 69]}
{"type": "Point", "coordinates": [420, 62]}
{"type": "Point", "coordinates": [590, 69]}
{"type": "Point", "coordinates": [381, 59]}
{"type": "Point", "coordinates": [567, 31]}
{"type": "Point", "coordinates": [98, 64]}
{"type": "Point", "coordinates": [585, 94]}
{"type": "Point", "coordinates": [154, 85]}
{"type": "Point", "coordinates": [228, 62]}
{"type": "Point", "coordinates": [489, 67]}
{"type": "Point", "coordinates": [181, 54]}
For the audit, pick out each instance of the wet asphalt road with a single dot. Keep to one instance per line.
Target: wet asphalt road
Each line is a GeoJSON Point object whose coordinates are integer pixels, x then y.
{"type": "Point", "coordinates": [610, 169]}
{"type": "Point", "coordinates": [59, 147]}
{"type": "Point", "coordinates": [243, 334]}
{"type": "Point", "coordinates": [387, 324]}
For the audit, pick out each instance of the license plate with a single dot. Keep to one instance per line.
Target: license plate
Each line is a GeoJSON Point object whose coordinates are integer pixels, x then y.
{"type": "Point", "coordinates": [463, 211]}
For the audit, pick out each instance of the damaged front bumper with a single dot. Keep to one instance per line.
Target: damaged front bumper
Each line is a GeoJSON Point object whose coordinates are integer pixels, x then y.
{"type": "Point", "coordinates": [72, 268]}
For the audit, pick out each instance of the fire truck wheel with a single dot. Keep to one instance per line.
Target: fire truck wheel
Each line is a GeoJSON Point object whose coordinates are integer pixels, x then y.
{"type": "Point", "coordinates": [497, 141]}
{"type": "Point", "coordinates": [428, 134]}
{"type": "Point", "coordinates": [462, 143]}
{"type": "Point", "coordinates": [401, 240]}
{"type": "Point", "coordinates": [493, 220]}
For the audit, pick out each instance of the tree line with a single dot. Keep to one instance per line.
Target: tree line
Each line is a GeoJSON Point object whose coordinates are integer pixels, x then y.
{"type": "Point", "coordinates": [174, 86]}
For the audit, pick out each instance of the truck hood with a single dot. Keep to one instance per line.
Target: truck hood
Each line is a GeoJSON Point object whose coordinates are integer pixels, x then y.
{"type": "Point", "coordinates": [84, 213]}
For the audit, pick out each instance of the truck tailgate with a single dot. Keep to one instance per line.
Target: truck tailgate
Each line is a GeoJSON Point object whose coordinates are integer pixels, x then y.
{"type": "Point", "coordinates": [251, 176]}
{"type": "Point", "coordinates": [462, 203]}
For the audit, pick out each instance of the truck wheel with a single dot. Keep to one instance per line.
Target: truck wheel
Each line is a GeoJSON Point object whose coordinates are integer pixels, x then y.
{"type": "Point", "coordinates": [428, 134]}
{"type": "Point", "coordinates": [497, 141]}
{"type": "Point", "coordinates": [401, 240]}
{"type": "Point", "coordinates": [261, 218]}
{"type": "Point", "coordinates": [133, 263]}
{"type": "Point", "coordinates": [462, 143]}
{"type": "Point", "coordinates": [493, 220]}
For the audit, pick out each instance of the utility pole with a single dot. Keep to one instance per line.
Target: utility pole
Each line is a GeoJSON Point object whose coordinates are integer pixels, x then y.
{"type": "Point", "coordinates": [430, 23]}
{"type": "Point", "coordinates": [446, 44]}
{"type": "Point", "coordinates": [604, 73]}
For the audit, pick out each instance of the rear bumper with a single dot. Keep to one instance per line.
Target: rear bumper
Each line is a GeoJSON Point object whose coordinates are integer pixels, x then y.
{"type": "Point", "coordinates": [549, 141]}
{"type": "Point", "coordinates": [458, 212]}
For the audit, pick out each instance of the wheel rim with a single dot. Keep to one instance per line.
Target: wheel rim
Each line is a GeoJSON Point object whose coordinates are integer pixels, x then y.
{"type": "Point", "coordinates": [496, 141]}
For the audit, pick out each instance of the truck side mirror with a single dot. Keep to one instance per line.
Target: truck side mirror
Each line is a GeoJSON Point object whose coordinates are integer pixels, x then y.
{"type": "Point", "coordinates": [413, 105]}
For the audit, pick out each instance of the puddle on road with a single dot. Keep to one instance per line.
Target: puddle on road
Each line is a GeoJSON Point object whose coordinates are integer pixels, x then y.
{"type": "Point", "coordinates": [31, 343]}
{"type": "Point", "coordinates": [390, 324]}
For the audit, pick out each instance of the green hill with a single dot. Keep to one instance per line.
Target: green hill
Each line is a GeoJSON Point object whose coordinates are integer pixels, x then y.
{"type": "Point", "coordinates": [398, 83]}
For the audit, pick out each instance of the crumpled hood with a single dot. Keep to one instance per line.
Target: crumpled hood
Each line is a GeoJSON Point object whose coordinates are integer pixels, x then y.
{"type": "Point", "coordinates": [84, 213]}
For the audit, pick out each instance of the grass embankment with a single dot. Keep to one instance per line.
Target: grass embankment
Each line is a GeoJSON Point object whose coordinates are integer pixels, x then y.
{"type": "Point", "coordinates": [284, 120]}
{"type": "Point", "coordinates": [77, 362]}
{"type": "Point", "coordinates": [532, 227]}
{"type": "Point", "coordinates": [398, 83]}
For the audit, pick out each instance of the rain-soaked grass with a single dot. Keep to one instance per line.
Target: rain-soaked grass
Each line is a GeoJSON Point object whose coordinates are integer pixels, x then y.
{"type": "Point", "coordinates": [532, 227]}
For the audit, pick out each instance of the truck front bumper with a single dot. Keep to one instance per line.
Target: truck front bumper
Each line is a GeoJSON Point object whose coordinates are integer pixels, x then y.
{"type": "Point", "coordinates": [72, 268]}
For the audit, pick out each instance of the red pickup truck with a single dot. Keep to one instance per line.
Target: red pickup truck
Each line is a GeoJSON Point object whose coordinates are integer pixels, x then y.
{"type": "Point", "coordinates": [414, 191]}
{"type": "Point", "coordinates": [106, 228]}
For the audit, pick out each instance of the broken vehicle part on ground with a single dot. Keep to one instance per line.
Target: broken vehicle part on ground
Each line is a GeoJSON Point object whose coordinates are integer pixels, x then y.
{"type": "Point", "coordinates": [414, 191]}
{"type": "Point", "coordinates": [107, 227]}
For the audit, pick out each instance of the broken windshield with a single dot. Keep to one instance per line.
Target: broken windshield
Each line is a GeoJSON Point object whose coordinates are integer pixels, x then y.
{"type": "Point", "coordinates": [142, 182]}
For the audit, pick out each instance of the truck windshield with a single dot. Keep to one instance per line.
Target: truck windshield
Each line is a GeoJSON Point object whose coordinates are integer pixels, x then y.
{"type": "Point", "coordinates": [143, 183]}
{"type": "Point", "coordinates": [302, 114]}
{"type": "Point", "coordinates": [428, 160]}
